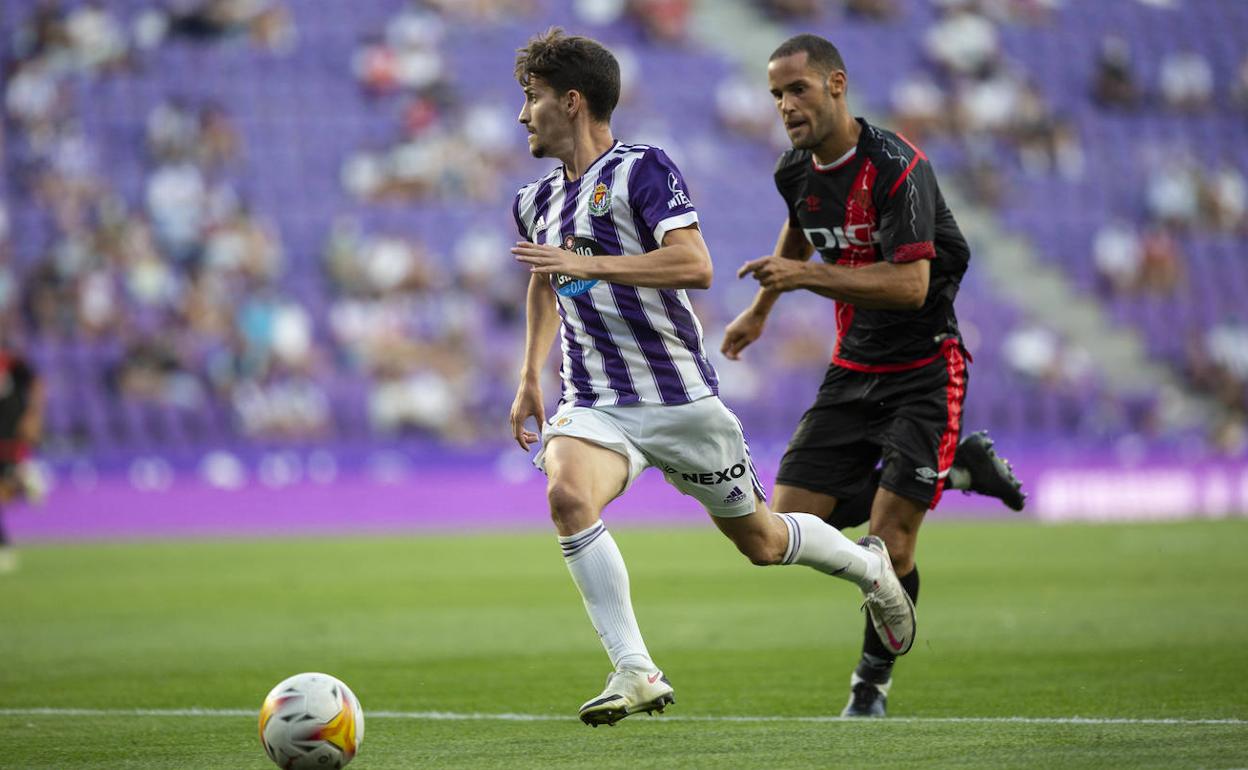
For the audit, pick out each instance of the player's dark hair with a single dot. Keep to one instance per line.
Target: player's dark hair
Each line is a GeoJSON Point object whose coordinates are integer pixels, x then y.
{"type": "Point", "coordinates": [820, 53]}
{"type": "Point", "coordinates": [572, 63]}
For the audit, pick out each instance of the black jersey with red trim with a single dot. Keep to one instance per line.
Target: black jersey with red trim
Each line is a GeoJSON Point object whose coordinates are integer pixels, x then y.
{"type": "Point", "coordinates": [17, 378]}
{"type": "Point", "coordinates": [880, 202]}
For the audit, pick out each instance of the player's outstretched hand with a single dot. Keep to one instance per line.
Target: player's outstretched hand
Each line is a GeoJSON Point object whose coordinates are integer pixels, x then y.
{"type": "Point", "coordinates": [775, 273]}
{"type": "Point", "coordinates": [528, 404]}
{"type": "Point", "coordinates": [543, 258]}
{"type": "Point", "coordinates": [743, 330]}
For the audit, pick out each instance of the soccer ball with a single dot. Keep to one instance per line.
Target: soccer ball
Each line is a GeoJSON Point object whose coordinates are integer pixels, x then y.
{"type": "Point", "coordinates": [311, 721]}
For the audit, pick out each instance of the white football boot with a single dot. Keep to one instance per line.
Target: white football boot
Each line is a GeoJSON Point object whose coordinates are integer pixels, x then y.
{"type": "Point", "coordinates": [890, 607]}
{"type": "Point", "coordinates": [628, 692]}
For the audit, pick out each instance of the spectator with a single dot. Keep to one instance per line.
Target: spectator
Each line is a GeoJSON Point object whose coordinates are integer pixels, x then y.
{"type": "Point", "coordinates": [1186, 81]}
{"type": "Point", "coordinates": [872, 10]}
{"type": "Point", "coordinates": [920, 107]}
{"type": "Point", "coordinates": [1217, 363]}
{"type": "Point", "coordinates": [488, 11]}
{"type": "Point", "coordinates": [241, 243]}
{"type": "Point", "coordinates": [665, 21]}
{"type": "Point", "coordinates": [96, 37]}
{"type": "Point", "coordinates": [1039, 353]}
{"type": "Point", "coordinates": [177, 202]}
{"type": "Point", "coordinates": [1046, 143]}
{"type": "Point", "coordinates": [746, 109]}
{"type": "Point", "coordinates": [34, 97]}
{"type": "Point", "coordinates": [10, 286]}
{"type": "Point", "coordinates": [1117, 255]}
{"type": "Point", "coordinates": [171, 132]}
{"type": "Point", "coordinates": [1114, 83]}
{"type": "Point", "coordinates": [988, 104]}
{"type": "Point", "coordinates": [153, 371]}
{"type": "Point", "coordinates": [1227, 343]}
{"type": "Point", "coordinates": [1020, 11]}
{"type": "Point", "coordinates": [267, 22]}
{"type": "Point", "coordinates": [1161, 262]}
{"type": "Point", "coordinates": [963, 42]}
{"type": "Point", "coordinates": [1239, 87]}
{"type": "Point", "coordinates": [1172, 191]}
{"type": "Point", "coordinates": [1224, 198]}
{"type": "Point", "coordinates": [982, 172]}
{"type": "Point", "coordinates": [217, 144]}
{"type": "Point", "coordinates": [791, 10]}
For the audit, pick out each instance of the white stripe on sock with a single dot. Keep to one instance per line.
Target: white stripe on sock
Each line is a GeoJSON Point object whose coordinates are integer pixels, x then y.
{"type": "Point", "coordinates": [824, 548]}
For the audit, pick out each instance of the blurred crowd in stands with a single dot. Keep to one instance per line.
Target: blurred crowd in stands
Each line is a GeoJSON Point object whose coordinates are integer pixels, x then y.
{"type": "Point", "coordinates": [188, 287]}
{"type": "Point", "coordinates": [447, 146]}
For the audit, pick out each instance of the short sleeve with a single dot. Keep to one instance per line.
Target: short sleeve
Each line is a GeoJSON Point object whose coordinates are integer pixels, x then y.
{"type": "Point", "coordinates": [786, 183]}
{"type": "Point", "coordinates": [515, 212]}
{"type": "Point", "coordinates": [908, 214]}
{"type": "Point", "coordinates": [659, 196]}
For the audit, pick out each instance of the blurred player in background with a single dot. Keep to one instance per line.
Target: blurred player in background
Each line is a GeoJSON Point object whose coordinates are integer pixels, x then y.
{"type": "Point", "coordinates": [612, 242]}
{"type": "Point", "coordinates": [21, 427]}
{"type": "Point", "coordinates": [892, 258]}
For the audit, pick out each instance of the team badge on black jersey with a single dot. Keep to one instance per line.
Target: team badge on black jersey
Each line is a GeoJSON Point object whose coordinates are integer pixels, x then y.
{"type": "Point", "coordinates": [566, 285]}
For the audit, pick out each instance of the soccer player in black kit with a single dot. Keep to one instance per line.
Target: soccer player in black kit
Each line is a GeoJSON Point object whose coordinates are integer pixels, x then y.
{"type": "Point", "coordinates": [892, 257]}
{"type": "Point", "coordinates": [21, 426]}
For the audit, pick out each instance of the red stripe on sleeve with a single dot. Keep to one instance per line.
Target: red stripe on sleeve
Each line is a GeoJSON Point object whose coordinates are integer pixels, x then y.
{"type": "Point", "coordinates": [918, 156]}
{"type": "Point", "coordinates": [909, 252]}
{"type": "Point", "coordinates": [913, 162]}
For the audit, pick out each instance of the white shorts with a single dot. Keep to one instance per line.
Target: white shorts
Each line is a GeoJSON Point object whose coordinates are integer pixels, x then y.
{"type": "Point", "coordinates": [699, 446]}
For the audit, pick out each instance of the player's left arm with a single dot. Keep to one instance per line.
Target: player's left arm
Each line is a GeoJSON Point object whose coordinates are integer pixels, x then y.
{"type": "Point", "coordinates": [682, 262]}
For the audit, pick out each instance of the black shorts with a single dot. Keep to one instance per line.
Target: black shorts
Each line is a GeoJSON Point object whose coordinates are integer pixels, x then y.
{"type": "Point", "coordinates": [911, 420]}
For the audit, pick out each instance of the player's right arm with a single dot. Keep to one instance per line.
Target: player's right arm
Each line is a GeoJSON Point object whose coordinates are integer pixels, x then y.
{"type": "Point", "coordinates": [747, 327]}
{"type": "Point", "coordinates": [541, 325]}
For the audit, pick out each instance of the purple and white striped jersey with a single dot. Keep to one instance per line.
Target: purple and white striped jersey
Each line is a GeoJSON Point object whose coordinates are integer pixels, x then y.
{"type": "Point", "coordinates": [621, 344]}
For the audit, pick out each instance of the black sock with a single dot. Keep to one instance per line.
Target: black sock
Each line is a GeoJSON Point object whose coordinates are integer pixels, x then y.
{"type": "Point", "coordinates": [4, 539]}
{"type": "Point", "coordinates": [876, 664]}
{"type": "Point", "coordinates": [857, 509]}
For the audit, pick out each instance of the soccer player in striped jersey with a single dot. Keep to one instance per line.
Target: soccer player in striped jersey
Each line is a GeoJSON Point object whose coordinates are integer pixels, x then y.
{"type": "Point", "coordinates": [892, 257]}
{"type": "Point", "coordinates": [611, 239]}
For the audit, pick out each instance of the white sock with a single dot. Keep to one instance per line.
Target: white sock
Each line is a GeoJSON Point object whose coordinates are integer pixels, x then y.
{"type": "Point", "coordinates": [598, 570]}
{"type": "Point", "coordinates": [815, 544]}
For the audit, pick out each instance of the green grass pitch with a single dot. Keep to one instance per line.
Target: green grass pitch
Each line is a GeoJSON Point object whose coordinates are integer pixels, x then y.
{"type": "Point", "coordinates": [1143, 624]}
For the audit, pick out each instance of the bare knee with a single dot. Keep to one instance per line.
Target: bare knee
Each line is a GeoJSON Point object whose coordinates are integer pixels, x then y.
{"type": "Point", "coordinates": [570, 509]}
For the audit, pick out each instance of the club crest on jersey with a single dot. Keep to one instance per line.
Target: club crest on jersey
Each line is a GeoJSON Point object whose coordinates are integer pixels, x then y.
{"type": "Point", "coordinates": [600, 201]}
{"type": "Point", "coordinates": [566, 285]}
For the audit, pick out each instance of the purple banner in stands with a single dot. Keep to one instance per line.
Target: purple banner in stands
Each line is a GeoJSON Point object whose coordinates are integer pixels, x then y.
{"type": "Point", "coordinates": [280, 494]}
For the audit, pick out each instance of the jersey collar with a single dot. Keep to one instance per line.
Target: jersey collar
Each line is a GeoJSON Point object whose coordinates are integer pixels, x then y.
{"type": "Point", "coordinates": [834, 165]}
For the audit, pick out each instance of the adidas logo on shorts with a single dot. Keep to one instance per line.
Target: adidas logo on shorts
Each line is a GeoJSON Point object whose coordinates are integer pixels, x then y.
{"type": "Point", "coordinates": [735, 496]}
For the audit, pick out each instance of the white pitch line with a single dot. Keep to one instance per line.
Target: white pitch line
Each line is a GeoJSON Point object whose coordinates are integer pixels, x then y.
{"type": "Point", "coordinates": [452, 716]}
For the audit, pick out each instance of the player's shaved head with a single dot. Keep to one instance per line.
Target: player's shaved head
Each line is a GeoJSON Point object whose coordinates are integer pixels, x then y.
{"type": "Point", "coordinates": [820, 53]}
{"type": "Point", "coordinates": [572, 63]}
